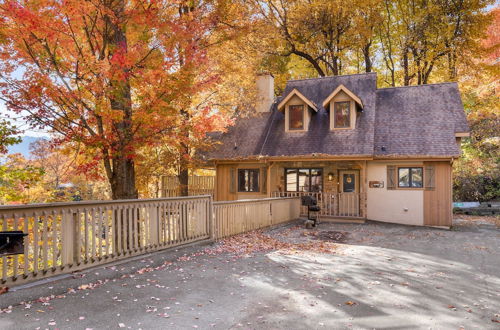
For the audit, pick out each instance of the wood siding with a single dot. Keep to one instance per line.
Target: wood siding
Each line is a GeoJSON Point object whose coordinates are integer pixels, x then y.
{"type": "Point", "coordinates": [438, 201]}
{"type": "Point", "coordinates": [223, 191]}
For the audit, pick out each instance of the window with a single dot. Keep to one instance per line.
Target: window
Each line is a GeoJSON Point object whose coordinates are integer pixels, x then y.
{"type": "Point", "coordinates": [304, 179]}
{"type": "Point", "coordinates": [295, 117]}
{"type": "Point", "coordinates": [248, 180]}
{"type": "Point", "coordinates": [342, 114]}
{"type": "Point", "coordinates": [410, 177]}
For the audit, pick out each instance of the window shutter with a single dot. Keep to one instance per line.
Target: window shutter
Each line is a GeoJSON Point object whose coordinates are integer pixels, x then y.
{"type": "Point", "coordinates": [232, 180]}
{"type": "Point", "coordinates": [429, 177]}
{"type": "Point", "coordinates": [263, 182]}
{"type": "Point", "coordinates": [391, 177]}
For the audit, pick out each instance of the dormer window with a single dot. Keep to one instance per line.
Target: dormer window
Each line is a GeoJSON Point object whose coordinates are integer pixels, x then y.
{"type": "Point", "coordinates": [342, 104]}
{"type": "Point", "coordinates": [296, 117]}
{"type": "Point", "coordinates": [298, 110]}
{"type": "Point", "coordinates": [342, 114]}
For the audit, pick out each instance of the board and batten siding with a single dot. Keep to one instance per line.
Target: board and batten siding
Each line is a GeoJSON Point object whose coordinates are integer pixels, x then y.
{"type": "Point", "coordinates": [226, 182]}
{"type": "Point", "coordinates": [404, 206]}
{"type": "Point", "coordinates": [438, 206]}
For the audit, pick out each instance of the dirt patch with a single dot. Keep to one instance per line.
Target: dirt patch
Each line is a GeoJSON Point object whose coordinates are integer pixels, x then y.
{"type": "Point", "coordinates": [472, 220]}
{"type": "Point", "coordinates": [258, 241]}
{"type": "Point", "coordinates": [329, 236]}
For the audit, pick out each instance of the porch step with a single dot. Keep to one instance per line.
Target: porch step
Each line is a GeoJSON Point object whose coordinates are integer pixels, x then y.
{"type": "Point", "coordinates": [332, 219]}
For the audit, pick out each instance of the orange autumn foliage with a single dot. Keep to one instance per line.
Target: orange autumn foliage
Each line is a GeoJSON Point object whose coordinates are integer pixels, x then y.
{"type": "Point", "coordinates": [109, 75]}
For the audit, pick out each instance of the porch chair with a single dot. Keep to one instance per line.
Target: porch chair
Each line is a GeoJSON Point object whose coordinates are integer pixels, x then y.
{"type": "Point", "coordinates": [312, 206]}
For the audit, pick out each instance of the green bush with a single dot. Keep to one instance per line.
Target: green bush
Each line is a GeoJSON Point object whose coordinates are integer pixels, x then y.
{"type": "Point", "coordinates": [480, 188]}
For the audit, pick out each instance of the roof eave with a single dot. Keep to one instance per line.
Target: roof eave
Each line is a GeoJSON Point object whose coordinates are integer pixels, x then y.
{"type": "Point", "coordinates": [299, 95]}
{"type": "Point", "coordinates": [344, 89]}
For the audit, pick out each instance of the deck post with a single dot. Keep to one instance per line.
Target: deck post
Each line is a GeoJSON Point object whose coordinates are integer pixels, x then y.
{"type": "Point", "coordinates": [154, 228]}
{"type": "Point", "coordinates": [69, 227]}
{"type": "Point", "coordinates": [210, 218]}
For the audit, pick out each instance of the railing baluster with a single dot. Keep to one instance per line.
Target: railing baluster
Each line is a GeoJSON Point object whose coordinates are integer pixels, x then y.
{"type": "Point", "coordinates": [55, 232]}
{"type": "Point", "coordinates": [16, 257]}
{"type": "Point", "coordinates": [45, 242]}
{"type": "Point", "coordinates": [26, 245]}
{"type": "Point", "coordinates": [4, 259]}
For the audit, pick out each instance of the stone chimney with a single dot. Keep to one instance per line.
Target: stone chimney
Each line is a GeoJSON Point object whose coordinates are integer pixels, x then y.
{"type": "Point", "coordinates": [265, 92]}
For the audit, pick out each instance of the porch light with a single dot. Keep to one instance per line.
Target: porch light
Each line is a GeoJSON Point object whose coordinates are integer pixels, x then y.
{"type": "Point", "coordinates": [330, 176]}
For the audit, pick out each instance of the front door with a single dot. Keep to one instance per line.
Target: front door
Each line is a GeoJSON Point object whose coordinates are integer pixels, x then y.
{"type": "Point", "coordinates": [349, 193]}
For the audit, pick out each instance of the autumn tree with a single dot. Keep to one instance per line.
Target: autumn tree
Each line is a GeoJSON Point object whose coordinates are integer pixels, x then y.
{"type": "Point", "coordinates": [419, 36]}
{"type": "Point", "coordinates": [8, 135]}
{"type": "Point", "coordinates": [324, 33]}
{"type": "Point", "coordinates": [477, 172]}
{"type": "Point", "coordinates": [18, 176]}
{"type": "Point", "coordinates": [232, 60]}
{"type": "Point", "coordinates": [104, 74]}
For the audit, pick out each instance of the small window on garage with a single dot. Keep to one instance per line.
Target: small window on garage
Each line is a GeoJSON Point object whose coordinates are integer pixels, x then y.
{"type": "Point", "coordinates": [410, 177]}
{"type": "Point", "coordinates": [248, 180]}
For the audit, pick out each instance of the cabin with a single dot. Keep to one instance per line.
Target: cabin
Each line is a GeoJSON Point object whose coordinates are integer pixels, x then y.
{"type": "Point", "coordinates": [363, 152]}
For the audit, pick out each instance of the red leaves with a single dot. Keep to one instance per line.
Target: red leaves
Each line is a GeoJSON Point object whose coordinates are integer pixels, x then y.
{"type": "Point", "coordinates": [4, 289]}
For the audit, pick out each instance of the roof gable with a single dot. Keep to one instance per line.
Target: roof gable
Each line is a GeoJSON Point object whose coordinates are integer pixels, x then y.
{"type": "Point", "coordinates": [342, 88]}
{"type": "Point", "coordinates": [293, 93]}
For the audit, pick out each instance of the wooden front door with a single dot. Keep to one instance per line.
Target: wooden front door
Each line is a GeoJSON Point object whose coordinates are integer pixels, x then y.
{"type": "Point", "coordinates": [349, 193]}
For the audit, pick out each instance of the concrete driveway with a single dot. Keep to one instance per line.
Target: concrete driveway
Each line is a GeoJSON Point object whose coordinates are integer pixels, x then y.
{"type": "Point", "coordinates": [339, 276]}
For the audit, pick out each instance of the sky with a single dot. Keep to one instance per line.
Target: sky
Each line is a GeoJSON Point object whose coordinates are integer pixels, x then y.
{"type": "Point", "coordinates": [20, 123]}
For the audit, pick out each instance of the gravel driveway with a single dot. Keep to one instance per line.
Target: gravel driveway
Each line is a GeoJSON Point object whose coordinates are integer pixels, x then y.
{"type": "Point", "coordinates": [338, 276]}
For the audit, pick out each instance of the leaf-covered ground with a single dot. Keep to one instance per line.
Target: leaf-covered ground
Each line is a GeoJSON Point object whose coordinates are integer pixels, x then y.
{"type": "Point", "coordinates": [334, 277]}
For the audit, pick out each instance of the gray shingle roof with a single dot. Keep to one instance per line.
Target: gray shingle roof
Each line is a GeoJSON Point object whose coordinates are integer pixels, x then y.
{"type": "Point", "coordinates": [419, 120]}
{"type": "Point", "coordinates": [407, 121]}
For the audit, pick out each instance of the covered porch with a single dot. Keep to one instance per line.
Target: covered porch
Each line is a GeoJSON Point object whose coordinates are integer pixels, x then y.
{"type": "Point", "coordinates": [339, 186]}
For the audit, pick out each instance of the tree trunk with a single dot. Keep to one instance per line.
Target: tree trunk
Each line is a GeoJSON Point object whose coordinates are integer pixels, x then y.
{"type": "Point", "coordinates": [122, 177]}
{"type": "Point", "coordinates": [406, 70]}
{"type": "Point", "coordinates": [183, 175]}
{"type": "Point", "coordinates": [366, 55]}
{"type": "Point", "coordinates": [452, 68]}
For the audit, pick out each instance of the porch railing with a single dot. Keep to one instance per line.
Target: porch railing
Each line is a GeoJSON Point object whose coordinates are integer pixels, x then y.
{"type": "Point", "coordinates": [235, 217]}
{"type": "Point", "coordinates": [334, 205]}
{"type": "Point", "coordinates": [65, 237]}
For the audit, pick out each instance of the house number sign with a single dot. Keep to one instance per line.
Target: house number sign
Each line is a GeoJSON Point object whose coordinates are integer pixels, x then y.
{"type": "Point", "coordinates": [376, 184]}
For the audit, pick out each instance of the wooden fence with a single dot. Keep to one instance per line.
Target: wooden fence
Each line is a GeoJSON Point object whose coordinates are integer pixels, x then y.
{"type": "Point", "coordinates": [65, 237]}
{"type": "Point", "coordinates": [235, 217]}
{"type": "Point", "coordinates": [197, 185]}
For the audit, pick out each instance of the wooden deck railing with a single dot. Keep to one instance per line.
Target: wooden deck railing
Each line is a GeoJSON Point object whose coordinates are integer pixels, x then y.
{"type": "Point", "coordinates": [333, 205]}
{"type": "Point", "coordinates": [235, 217]}
{"type": "Point", "coordinates": [64, 237]}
